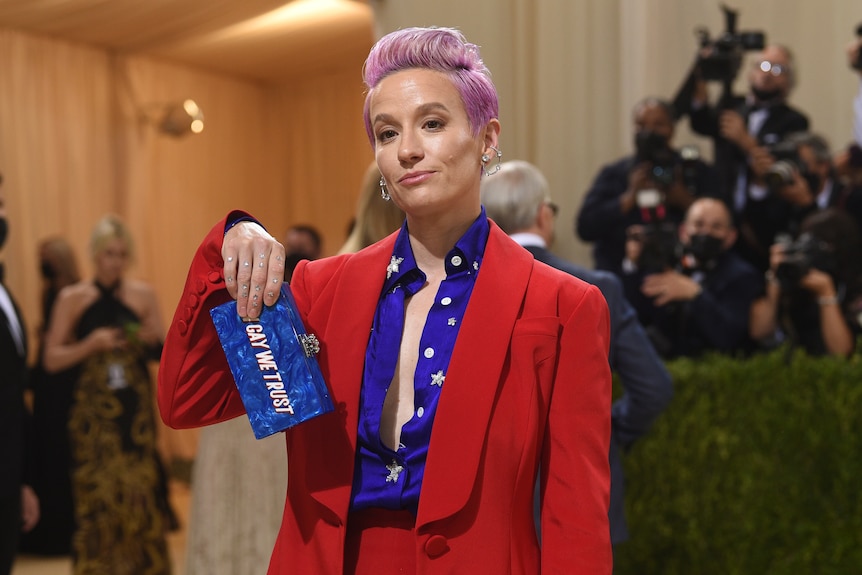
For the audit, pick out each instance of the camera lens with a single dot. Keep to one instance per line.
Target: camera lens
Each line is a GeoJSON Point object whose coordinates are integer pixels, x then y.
{"type": "Point", "coordinates": [779, 175]}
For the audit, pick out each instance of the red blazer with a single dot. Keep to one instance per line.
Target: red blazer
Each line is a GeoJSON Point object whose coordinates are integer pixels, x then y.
{"type": "Point", "coordinates": [528, 385]}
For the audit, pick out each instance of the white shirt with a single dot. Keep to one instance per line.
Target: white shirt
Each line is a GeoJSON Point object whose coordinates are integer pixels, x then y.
{"type": "Point", "coordinates": [529, 240]}
{"type": "Point", "coordinates": [857, 115]}
{"type": "Point", "coordinates": [12, 319]}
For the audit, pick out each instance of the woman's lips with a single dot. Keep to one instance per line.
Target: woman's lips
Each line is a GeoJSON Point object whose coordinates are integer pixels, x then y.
{"type": "Point", "coordinates": [414, 178]}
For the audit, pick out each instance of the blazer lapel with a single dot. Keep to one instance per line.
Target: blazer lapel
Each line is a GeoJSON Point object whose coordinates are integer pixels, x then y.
{"type": "Point", "coordinates": [349, 321]}
{"type": "Point", "coordinates": [474, 374]}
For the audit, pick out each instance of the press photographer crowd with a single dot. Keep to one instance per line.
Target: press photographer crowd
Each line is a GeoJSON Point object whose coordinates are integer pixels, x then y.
{"type": "Point", "coordinates": [759, 247]}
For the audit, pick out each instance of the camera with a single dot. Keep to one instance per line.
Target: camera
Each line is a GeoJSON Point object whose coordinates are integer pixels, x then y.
{"type": "Point", "coordinates": [660, 247]}
{"type": "Point", "coordinates": [725, 58]}
{"type": "Point", "coordinates": [800, 256]}
{"type": "Point", "coordinates": [787, 162]}
{"type": "Point", "coordinates": [653, 148]}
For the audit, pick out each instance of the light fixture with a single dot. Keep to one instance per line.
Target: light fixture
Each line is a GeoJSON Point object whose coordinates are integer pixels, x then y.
{"type": "Point", "coordinates": [182, 118]}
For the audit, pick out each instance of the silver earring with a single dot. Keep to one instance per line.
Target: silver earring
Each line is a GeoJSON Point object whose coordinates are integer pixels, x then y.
{"type": "Point", "coordinates": [486, 159]}
{"type": "Point", "coordinates": [383, 193]}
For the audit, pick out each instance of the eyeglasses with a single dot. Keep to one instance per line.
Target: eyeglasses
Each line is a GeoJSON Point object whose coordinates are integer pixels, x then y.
{"type": "Point", "coordinates": [555, 209]}
{"type": "Point", "coordinates": [771, 68]}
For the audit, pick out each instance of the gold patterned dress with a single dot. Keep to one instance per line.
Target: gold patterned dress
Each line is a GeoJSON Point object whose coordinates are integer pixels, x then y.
{"type": "Point", "coordinates": [117, 480]}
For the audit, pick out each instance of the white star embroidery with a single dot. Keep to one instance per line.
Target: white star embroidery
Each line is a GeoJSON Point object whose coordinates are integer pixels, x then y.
{"type": "Point", "coordinates": [394, 471]}
{"type": "Point", "coordinates": [451, 321]}
{"type": "Point", "coordinates": [392, 268]}
{"type": "Point", "coordinates": [475, 265]}
{"type": "Point", "coordinates": [438, 378]}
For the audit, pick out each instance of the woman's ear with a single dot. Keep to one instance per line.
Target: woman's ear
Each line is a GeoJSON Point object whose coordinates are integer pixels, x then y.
{"type": "Point", "coordinates": [492, 134]}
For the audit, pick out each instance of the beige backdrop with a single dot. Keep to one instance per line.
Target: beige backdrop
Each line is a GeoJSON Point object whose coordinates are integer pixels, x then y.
{"type": "Point", "coordinates": [75, 144]}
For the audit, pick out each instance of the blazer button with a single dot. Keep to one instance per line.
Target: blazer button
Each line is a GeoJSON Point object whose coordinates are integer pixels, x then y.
{"type": "Point", "coordinates": [436, 546]}
{"type": "Point", "coordinates": [214, 277]}
{"type": "Point", "coordinates": [182, 327]}
{"type": "Point", "coordinates": [200, 286]}
{"type": "Point", "coordinates": [188, 313]}
{"type": "Point", "coordinates": [192, 300]}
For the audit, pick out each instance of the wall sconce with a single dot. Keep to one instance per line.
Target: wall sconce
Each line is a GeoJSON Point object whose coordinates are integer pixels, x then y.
{"type": "Point", "coordinates": [182, 118]}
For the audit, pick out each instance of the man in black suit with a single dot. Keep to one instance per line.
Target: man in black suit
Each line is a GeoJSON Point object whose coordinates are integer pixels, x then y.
{"type": "Point", "coordinates": [745, 130]}
{"type": "Point", "coordinates": [19, 507]}
{"type": "Point", "coordinates": [517, 199]}
{"type": "Point", "coordinates": [702, 301]}
{"type": "Point", "coordinates": [624, 192]}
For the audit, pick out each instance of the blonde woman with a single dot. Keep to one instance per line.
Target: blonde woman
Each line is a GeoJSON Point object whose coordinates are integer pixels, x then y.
{"type": "Point", "coordinates": [107, 328]}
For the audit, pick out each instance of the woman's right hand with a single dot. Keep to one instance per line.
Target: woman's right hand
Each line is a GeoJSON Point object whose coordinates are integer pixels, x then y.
{"type": "Point", "coordinates": [253, 267]}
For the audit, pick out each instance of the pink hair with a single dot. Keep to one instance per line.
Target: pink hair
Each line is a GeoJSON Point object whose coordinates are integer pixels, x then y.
{"type": "Point", "coordinates": [441, 49]}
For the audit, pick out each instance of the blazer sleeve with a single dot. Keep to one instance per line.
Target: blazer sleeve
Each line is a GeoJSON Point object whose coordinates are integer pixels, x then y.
{"type": "Point", "coordinates": [575, 470]}
{"type": "Point", "coordinates": [642, 374]}
{"type": "Point", "coordinates": [195, 383]}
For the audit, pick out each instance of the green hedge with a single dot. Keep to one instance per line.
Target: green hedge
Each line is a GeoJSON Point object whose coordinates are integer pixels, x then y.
{"type": "Point", "coordinates": [755, 468]}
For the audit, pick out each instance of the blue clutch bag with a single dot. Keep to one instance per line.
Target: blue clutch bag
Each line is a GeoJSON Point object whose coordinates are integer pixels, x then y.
{"type": "Point", "coordinates": [273, 364]}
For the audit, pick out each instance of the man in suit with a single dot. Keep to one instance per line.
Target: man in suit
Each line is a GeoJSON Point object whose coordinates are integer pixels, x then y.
{"type": "Point", "coordinates": [517, 199]}
{"type": "Point", "coordinates": [745, 130]}
{"type": "Point", "coordinates": [702, 302]}
{"type": "Point", "coordinates": [19, 507]}
{"type": "Point", "coordinates": [625, 192]}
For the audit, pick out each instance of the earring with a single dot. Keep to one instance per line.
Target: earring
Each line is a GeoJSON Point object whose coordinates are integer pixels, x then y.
{"type": "Point", "coordinates": [486, 159]}
{"type": "Point", "coordinates": [383, 193]}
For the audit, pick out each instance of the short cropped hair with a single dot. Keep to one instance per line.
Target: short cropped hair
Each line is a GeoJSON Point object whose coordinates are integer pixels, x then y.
{"type": "Point", "coordinates": [444, 50]}
{"type": "Point", "coordinates": [513, 197]}
{"type": "Point", "coordinates": [817, 143]}
{"type": "Point", "coordinates": [653, 102]}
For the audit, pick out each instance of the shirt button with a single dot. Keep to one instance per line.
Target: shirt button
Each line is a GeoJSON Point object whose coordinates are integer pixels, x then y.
{"type": "Point", "coordinates": [446, 300]}
{"type": "Point", "coordinates": [456, 261]}
{"type": "Point", "coordinates": [429, 352]}
{"type": "Point", "coordinates": [420, 412]}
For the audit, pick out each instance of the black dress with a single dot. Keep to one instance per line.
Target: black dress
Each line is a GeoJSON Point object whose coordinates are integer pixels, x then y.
{"type": "Point", "coordinates": [117, 479]}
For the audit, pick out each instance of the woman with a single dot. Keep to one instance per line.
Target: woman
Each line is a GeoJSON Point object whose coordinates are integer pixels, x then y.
{"type": "Point", "coordinates": [448, 325]}
{"type": "Point", "coordinates": [813, 292]}
{"type": "Point", "coordinates": [52, 397]}
{"type": "Point", "coordinates": [108, 328]}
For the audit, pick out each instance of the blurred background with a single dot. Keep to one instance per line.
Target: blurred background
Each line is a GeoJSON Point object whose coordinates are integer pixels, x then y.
{"type": "Point", "coordinates": [92, 118]}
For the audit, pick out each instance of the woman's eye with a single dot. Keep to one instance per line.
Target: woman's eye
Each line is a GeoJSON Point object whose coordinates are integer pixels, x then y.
{"type": "Point", "coordinates": [434, 124]}
{"type": "Point", "coordinates": [386, 135]}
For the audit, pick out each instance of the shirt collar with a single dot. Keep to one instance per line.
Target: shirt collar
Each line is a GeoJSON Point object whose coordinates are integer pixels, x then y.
{"type": "Point", "coordinates": [529, 240]}
{"type": "Point", "coordinates": [465, 256]}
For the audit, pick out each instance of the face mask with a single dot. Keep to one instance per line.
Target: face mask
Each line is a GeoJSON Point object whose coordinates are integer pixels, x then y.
{"type": "Point", "coordinates": [705, 248]}
{"type": "Point", "coordinates": [47, 271]}
{"type": "Point", "coordinates": [814, 182]}
{"type": "Point", "coordinates": [4, 230]}
{"type": "Point", "coordinates": [766, 96]}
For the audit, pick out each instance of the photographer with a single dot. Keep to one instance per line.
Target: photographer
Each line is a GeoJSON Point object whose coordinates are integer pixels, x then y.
{"type": "Point", "coordinates": [703, 301]}
{"type": "Point", "coordinates": [744, 129]}
{"type": "Point", "coordinates": [812, 296]}
{"type": "Point", "coordinates": [611, 204]}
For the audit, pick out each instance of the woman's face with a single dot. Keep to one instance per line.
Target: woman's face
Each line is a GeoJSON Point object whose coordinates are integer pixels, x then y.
{"type": "Point", "coordinates": [424, 145]}
{"type": "Point", "coordinates": [111, 260]}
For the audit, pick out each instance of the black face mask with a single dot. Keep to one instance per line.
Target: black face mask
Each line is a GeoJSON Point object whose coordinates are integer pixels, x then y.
{"type": "Point", "coordinates": [705, 248]}
{"type": "Point", "coordinates": [767, 96]}
{"type": "Point", "coordinates": [814, 182]}
{"type": "Point", "coordinates": [48, 272]}
{"type": "Point", "coordinates": [4, 230]}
